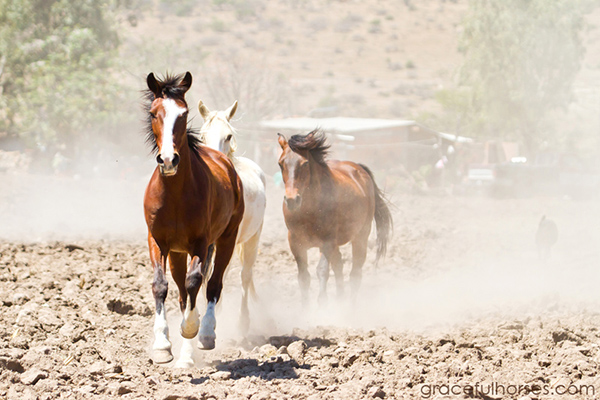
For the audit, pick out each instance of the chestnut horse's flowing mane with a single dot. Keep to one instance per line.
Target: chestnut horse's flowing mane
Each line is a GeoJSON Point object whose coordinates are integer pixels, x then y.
{"type": "Point", "coordinates": [170, 90]}
{"type": "Point", "coordinates": [315, 142]}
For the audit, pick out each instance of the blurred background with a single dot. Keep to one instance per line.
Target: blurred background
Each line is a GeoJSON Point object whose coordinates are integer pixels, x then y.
{"type": "Point", "coordinates": [498, 98]}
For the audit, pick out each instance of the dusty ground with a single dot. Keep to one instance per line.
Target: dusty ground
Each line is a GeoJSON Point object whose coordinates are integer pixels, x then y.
{"type": "Point", "coordinates": [460, 300]}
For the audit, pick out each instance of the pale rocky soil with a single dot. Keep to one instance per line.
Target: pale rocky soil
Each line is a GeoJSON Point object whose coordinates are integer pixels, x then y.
{"type": "Point", "coordinates": [460, 299]}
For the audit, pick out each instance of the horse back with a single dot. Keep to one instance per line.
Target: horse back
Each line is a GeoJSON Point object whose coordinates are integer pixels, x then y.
{"type": "Point", "coordinates": [354, 193]}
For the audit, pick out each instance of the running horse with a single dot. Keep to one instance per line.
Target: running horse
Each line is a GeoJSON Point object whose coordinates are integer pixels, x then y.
{"type": "Point", "coordinates": [218, 134]}
{"type": "Point", "coordinates": [329, 203]}
{"type": "Point", "coordinates": [193, 203]}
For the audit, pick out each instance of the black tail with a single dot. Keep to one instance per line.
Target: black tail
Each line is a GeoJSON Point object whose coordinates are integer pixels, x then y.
{"type": "Point", "coordinates": [383, 218]}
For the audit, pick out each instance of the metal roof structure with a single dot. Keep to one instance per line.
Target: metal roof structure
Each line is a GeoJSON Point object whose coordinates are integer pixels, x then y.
{"type": "Point", "coordinates": [341, 125]}
{"type": "Point", "coordinates": [455, 138]}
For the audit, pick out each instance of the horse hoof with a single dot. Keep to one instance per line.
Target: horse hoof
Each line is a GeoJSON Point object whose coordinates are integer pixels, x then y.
{"type": "Point", "coordinates": [162, 356]}
{"type": "Point", "coordinates": [188, 334]}
{"type": "Point", "coordinates": [208, 342]}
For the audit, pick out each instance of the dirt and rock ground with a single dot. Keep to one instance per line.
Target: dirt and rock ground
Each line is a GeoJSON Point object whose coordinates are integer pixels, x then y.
{"type": "Point", "coordinates": [460, 300]}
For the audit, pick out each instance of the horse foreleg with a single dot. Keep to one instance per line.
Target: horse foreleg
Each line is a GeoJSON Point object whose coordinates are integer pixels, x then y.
{"type": "Point", "coordinates": [213, 291]}
{"type": "Point", "coordinates": [335, 258]}
{"type": "Point", "coordinates": [300, 255]}
{"type": "Point", "coordinates": [178, 266]}
{"type": "Point", "coordinates": [248, 252]}
{"type": "Point", "coordinates": [161, 348]}
{"type": "Point", "coordinates": [191, 319]}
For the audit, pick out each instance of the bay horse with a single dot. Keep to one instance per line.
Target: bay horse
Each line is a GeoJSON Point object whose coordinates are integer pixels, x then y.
{"type": "Point", "coordinates": [217, 133]}
{"type": "Point", "coordinates": [329, 203]}
{"type": "Point", "coordinates": [193, 203]}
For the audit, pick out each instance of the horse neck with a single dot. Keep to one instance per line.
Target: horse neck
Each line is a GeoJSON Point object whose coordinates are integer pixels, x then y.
{"type": "Point", "coordinates": [319, 188]}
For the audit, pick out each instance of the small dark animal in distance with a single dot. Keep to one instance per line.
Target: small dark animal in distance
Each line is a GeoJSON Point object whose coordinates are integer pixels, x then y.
{"type": "Point", "coordinates": [545, 237]}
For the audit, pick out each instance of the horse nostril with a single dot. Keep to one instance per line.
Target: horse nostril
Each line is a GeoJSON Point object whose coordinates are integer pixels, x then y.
{"type": "Point", "coordinates": [175, 159]}
{"type": "Point", "coordinates": [159, 160]}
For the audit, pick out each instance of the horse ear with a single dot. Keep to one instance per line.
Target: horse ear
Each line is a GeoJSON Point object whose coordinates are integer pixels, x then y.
{"type": "Point", "coordinates": [282, 141]}
{"type": "Point", "coordinates": [153, 85]}
{"type": "Point", "coordinates": [186, 82]}
{"type": "Point", "coordinates": [230, 112]}
{"type": "Point", "coordinates": [204, 111]}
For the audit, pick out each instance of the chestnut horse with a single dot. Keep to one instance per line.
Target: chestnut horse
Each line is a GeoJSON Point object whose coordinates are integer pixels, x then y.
{"type": "Point", "coordinates": [194, 201]}
{"type": "Point", "coordinates": [329, 203]}
{"type": "Point", "coordinates": [218, 134]}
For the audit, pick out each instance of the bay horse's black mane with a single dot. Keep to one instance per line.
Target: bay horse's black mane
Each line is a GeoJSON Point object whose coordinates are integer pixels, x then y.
{"type": "Point", "coordinates": [170, 90]}
{"type": "Point", "coordinates": [315, 142]}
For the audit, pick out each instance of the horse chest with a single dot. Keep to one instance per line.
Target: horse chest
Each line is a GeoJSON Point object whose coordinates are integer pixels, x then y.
{"type": "Point", "coordinates": [177, 228]}
{"type": "Point", "coordinates": [312, 225]}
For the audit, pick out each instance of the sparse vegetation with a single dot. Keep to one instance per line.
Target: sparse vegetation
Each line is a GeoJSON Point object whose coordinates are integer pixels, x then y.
{"type": "Point", "coordinates": [56, 62]}
{"type": "Point", "coordinates": [521, 59]}
{"type": "Point", "coordinates": [178, 7]}
{"type": "Point", "coordinates": [218, 25]}
{"type": "Point", "coordinates": [349, 23]}
{"type": "Point", "coordinates": [375, 26]}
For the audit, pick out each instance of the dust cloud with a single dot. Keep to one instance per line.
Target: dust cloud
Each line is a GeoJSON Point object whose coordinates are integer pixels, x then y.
{"type": "Point", "coordinates": [49, 207]}
{"type": "Point", "coordinates": [468, 259]}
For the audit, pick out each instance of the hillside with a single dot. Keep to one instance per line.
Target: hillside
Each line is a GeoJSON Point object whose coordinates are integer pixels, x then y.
{"type": "Point", "coordinates": [380, 58]}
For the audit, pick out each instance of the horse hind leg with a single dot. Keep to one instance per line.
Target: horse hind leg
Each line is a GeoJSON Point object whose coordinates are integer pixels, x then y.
{"type": "Point", "coordinates": [161, 347]}
{"type": "Point", "coordinates": [247, 252]}
{"type": "Point", "coordinates": [323, 275]}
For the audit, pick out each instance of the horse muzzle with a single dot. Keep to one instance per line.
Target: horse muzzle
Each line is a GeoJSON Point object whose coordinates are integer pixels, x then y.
{"type": "Point", "coordinates": [293, 203]}
{"type": "Point", "coordinates": [167, 166]}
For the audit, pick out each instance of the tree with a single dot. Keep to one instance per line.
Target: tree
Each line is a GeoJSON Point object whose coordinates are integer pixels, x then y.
{"type": "Point", "coordinates": [55, 62]}
{"type": "Point", "coordinates": [520, 60]}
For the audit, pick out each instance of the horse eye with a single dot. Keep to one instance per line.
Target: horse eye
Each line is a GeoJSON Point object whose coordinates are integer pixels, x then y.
{"type": "Point", "coordinates": [229, 137]}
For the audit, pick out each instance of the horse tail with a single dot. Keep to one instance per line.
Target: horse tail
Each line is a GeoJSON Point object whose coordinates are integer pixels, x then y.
{"type": "Point", "coordinates": [382, 217]}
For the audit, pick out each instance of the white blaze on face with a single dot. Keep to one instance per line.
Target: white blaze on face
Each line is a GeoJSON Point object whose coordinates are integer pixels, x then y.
{"type": "Point", "coordinates": [216, 131]}
{"type": "Point", "coordinates": [212, 140]}
{"type": "Point", "coordinates": [172, 112]}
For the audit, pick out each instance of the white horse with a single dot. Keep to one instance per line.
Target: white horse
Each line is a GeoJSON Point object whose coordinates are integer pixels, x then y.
{"type": "Point", "coordinates": [218, 134]}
